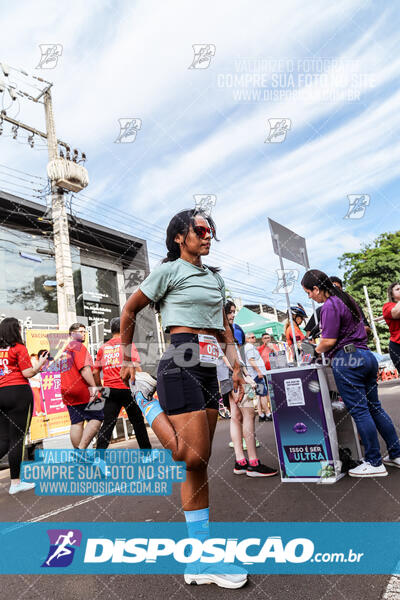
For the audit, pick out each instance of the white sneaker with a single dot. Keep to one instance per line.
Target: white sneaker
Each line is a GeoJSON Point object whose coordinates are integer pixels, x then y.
{"type": "Point", "coordinates": [392, 462]}
{"type": "Point", "coordinates": [23, 486]}
{"type": "Point", "coordinates": [233, 580]}
{"type": "Point", "coordinates": [145, 384]}
{"type": "Point", "coordinates": [368, 470]}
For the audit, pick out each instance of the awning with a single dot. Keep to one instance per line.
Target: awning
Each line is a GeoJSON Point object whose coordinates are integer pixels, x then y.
{"type": "Point", "coordinates": [251, 321]}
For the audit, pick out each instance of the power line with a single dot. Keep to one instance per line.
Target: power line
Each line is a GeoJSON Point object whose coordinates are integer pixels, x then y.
{"type": "Point", "coordinates": [226, 263]}
{"type": "Point", "coordinates": [159, 236]}
{"type": "Point", "coordinates": [129, 222]}
{"type": "Point", "coordinates": [23, 172]}
{"type": "Point", "coordinates": [223, 257]}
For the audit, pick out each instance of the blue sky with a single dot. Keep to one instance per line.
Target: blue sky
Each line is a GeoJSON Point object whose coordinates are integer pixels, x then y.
{"type": "Point", "coordinates": [201, 134]}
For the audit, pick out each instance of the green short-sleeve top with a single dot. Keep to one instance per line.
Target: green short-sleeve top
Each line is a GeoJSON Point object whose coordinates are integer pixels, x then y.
{"type": "Point", "coordinates": [188, 295]}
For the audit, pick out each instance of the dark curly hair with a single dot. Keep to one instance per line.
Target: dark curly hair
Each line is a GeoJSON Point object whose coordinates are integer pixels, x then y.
{"type": "Point", "coordinates": [180, 223]}
{"type": "Point", "coordinates": [10, 332]}
{"type": "Point", "coordinates": [315, 278]}
{"type": "Point", "coordinates": [390, 291]}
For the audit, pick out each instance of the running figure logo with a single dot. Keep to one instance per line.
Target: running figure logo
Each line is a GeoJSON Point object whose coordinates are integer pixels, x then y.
{"type": "Point", "coordinates": [50, 54]}
{"type": "Point", "coordinates": [134, 278]}
{"type": "Point", "coordinates": [278, 129]}
{"type": "Point", "coordinates": [357, 206]}
{"type": "Point", "coordinates": [128, 130]}
{"type": "Point", "coordinates": [62, 547]}
{"type": "Point", "coordinates": [286, 280]}
{"type": "Point", "coordinates": [203, 54]}
{"type": "Point", "coordinates": [205, 202]}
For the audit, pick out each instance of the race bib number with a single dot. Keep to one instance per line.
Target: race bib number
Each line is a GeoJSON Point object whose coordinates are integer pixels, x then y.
{"type": "Point", "coordinates": [209, 350]}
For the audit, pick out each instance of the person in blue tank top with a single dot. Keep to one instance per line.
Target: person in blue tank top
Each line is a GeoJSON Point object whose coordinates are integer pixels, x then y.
{"type": "Point", "coordinates": [190, 298]}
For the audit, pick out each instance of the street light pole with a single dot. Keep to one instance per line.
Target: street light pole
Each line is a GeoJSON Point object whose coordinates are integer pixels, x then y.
{"type": "Point", "coordinates": [62, 250]}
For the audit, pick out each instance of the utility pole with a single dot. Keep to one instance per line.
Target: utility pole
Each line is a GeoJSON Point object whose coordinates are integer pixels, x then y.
{"type": "Point", "coordinates": [64, 174]}
{"type": "Point", "coordinates": [62, 250]}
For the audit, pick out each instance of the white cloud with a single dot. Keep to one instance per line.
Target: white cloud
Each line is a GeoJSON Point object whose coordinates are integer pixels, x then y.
{"type": "Point", "coordinates": [131, 59]}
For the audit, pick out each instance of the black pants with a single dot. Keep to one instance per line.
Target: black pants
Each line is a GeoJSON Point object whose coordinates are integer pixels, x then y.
{"type": "Point", "coordinates": [394, 351]}
{"type": "Point", "coordinates": [16, 404]}
{"type": "Point", "coordinates": [117, 399]}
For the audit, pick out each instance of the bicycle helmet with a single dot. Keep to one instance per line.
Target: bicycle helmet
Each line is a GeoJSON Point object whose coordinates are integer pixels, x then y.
{"type": "Point", "coordinates": [298, 311]}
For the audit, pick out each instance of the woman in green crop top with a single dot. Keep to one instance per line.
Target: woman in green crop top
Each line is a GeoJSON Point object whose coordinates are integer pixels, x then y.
{"type": "Point", "coordinates": [190, 298]}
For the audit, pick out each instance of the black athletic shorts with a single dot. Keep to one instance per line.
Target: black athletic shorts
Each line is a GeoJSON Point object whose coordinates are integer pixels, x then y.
{"type": "Point", "coordinates": [183, 385]}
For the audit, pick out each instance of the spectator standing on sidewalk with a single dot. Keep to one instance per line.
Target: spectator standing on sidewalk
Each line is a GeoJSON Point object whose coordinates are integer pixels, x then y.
{"type": "Point", "coordinates": [109, 360]}
{"type": "Point", "coordinates": [78, 389]}
{"type": "Point", "coordinates": [298, 316]}
{"type": "Point", "coordinates": [256, 368]}
{"type": "Point", "coordinates": [16, 398]}
{"type": "Point", "coordinates": [238, 333]}
{"type": "Point", "coordinates": [391, 313]}
{"type": "Point", "coordinates": [267, 347]}
{"type": "Point", "coordinates": [242, 428]}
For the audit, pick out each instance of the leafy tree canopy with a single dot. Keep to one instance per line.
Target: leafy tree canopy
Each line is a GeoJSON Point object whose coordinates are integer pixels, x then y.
{"type": "Point", "coordinates": [376, 265]}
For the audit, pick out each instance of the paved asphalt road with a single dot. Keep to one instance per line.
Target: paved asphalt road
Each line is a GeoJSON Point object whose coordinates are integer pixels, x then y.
{"type": "Point", "coordinates": [233, 498]}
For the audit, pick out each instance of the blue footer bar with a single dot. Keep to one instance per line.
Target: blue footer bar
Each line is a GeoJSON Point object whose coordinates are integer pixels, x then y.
{"type": "Point", "coordinates": [154, 548]}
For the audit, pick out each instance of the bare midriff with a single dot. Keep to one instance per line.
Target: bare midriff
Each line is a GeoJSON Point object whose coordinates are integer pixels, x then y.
{"type": "Point", "coordinates": [181, 329]}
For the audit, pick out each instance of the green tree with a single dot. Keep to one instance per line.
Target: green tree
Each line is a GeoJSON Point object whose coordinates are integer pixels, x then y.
{"type": "Point", "coordinates": [376, 265]}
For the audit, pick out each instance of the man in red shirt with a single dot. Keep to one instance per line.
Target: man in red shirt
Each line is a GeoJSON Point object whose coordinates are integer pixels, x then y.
{"type": "Point", "coordinates": [109, 360]}
{"type": "Point", "coordinates": [78, 388]}
{"type": "Point", "coordinates": [266, 348]}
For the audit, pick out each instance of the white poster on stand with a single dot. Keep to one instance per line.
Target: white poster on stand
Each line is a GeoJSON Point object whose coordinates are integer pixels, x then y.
{"type": "Point", "coordinates": [294, 392]}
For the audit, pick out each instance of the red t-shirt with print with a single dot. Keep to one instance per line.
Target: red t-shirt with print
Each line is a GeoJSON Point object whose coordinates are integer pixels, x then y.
{"type": "Point", "coordinates": [74, 388]}
{"type": "Point", "coordinates": [394, 324]}
{"type": "Point", "coordinates": [13, 360]}
{"type": "Point", "coordinates": [109, 360]}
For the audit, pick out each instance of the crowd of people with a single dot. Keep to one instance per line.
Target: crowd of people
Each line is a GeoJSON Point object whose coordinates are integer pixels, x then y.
{"type": "Point", "coordinates": [209, 358]}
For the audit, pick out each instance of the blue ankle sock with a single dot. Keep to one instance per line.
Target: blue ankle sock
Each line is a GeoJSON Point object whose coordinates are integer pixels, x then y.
{"type": "Point", "coordinates": [198, 523]}
{"type": "Point", "coordinates": [150, 408]}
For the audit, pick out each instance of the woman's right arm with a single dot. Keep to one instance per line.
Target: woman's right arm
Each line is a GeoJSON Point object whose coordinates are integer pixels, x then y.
{"type": "Point", "coordinates": [31, 371]}
{"type": "Point", "coordinates": [133, 306]}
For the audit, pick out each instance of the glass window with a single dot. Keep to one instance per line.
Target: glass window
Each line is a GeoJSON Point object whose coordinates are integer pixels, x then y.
{"type": "Point", "coordinates": [27, 279]}
{"type": "Point", "coordinates": [99, 285]}
{"type": "Point", "coordinates": [100, 295]}
{"type": "Point", "coordinates": [24, 272]}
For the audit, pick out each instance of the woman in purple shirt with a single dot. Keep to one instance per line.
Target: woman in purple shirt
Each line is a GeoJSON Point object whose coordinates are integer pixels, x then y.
{"type": "Point", "coordinates": [355, 368]}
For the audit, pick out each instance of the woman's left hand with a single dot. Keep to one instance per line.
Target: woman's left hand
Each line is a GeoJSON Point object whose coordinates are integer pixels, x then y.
{"type": "Point", "coordinates": [238, 383]}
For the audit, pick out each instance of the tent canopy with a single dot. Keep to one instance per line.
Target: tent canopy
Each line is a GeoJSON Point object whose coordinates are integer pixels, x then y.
{"type": "Point", "coordinates": [251, 321]}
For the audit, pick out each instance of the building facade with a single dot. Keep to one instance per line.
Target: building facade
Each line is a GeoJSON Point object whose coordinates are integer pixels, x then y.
{"type": "Point", "coordinates": [107, 266]}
